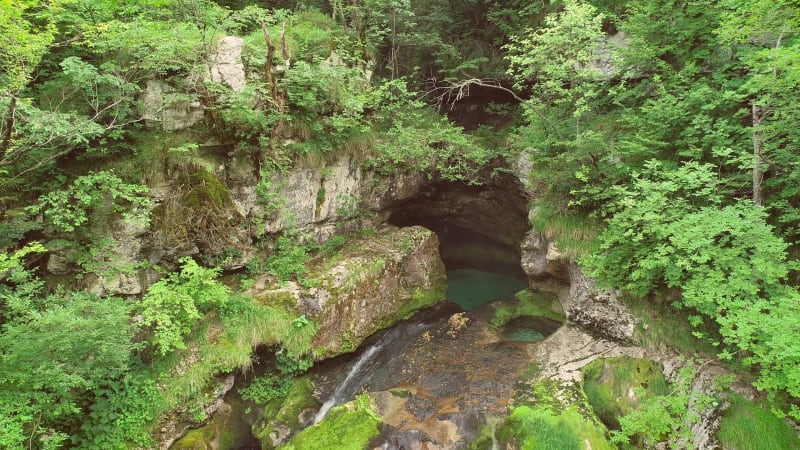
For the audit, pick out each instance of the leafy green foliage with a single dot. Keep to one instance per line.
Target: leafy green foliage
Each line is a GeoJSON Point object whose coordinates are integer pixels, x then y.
{"type": "Point", "coordinates": [96, 195]}
{"type": "Point", "coordinates": [289, 260]}
{"type": "Point", "coordinates": [558, 57]}
{"type": "Point", "coordinates": [266, 388]}
{"type": "Point", "coordinates": [417, 139]}
{"type": "Point", "coordinates": [122, 413]}
{"type": "Point", "coordinates": [173, 305]}
{"type": "Point", "coordinates": [669, 229]}
{"type": "Point", "coordinates": [665, 418]}
{"type": "Point", "coordinates": [56, 359]}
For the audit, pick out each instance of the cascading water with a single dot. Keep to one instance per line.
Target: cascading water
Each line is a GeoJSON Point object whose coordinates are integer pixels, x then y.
{"type": "Point", "coordinates": [338, 394]}
{"type": "Point", "coordinates": [363, 372]}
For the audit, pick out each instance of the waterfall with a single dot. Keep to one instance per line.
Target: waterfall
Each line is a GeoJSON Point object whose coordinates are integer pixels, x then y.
{"type": "Point", "coordinates": [393, 342]}
{"type": "Point", "coordinates": [338, 394]}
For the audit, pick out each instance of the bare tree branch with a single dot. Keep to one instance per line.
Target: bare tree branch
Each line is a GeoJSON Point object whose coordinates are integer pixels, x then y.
{"type": "Point", "coordinates": [456, 91]}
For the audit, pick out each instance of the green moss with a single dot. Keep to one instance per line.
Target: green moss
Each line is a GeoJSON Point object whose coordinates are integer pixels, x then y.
{"type": "Point", "coordinates": [197, 438]}
{"type": "Point", "coordinates": [528, 303]}
{"type": "Point", "coordinates": [420, 298]}
{"type": "Point", "coordinates": [747, 426]}
{"type": "Point", "coordinates": [206, 189]}
{"type": "Point", "coordinates": [542, 428]}
{"type": "Point", "coordinates": [549, 414]}
{"type": "Point", "coordinates": [280, 299]}
{"type": "Point", "coordinates": [347, 427]}
{"type": "Point", "coordinates": [287, 411]}
{"type": "Point", "coordinates": [616, 386]}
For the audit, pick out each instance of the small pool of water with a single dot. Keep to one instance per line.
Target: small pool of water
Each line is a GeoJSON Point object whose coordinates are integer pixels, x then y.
{"type": "Point", "coordinates": [471, 288]}
{"type": "Point", "coordinates": [530, 328]}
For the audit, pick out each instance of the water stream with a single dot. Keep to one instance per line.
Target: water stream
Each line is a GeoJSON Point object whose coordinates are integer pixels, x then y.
{"type": "Point", "coordinates": [339, 394]}
{"type": "Point", "coordinates": [379, 358]}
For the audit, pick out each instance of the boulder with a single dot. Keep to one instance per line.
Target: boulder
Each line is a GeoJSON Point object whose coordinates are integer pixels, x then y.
{"type": "Point", "coordinates": [598, 310]}
{"type": "Point", "coordinates": [368, 286]}
{"type": "Point", "coordinates": [540, 258]}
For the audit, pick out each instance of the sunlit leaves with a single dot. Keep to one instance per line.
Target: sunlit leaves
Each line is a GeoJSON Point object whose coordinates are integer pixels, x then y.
{"type": "Point", "coordinates": [101, 192]}
{"type": "Point", "coordinates": [173, 305]}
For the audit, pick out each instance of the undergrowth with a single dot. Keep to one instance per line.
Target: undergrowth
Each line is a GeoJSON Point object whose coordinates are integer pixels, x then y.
{"type": "Point", "coordinates": [575, 234]}
{"type": "Point", "coordinates": [751, 426]}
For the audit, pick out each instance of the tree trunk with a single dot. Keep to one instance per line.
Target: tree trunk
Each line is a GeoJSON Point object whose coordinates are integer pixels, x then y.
{"type": "Point", "coordinates": [758, 144]}
{"type": "Point", "coordinates": [8, 128]}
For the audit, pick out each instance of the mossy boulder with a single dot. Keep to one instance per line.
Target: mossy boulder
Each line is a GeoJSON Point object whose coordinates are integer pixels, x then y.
{"type": "Point", "coordinates": [373, 282]}
{"type": "Point", "coordinates": [282, 416]}
{"type": "Point", "coordinates": [547, 414]}
{"type": "Point", "coordinates": [617, 386]}
{"type": "Point", "coordinates": [348, 427]}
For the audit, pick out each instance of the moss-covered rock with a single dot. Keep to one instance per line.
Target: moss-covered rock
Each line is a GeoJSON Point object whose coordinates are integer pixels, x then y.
{"type": "Point", "coordinates": [616, 386]}
{"type": "Point", "coordinates": [548, 414]}
{"type": "Point", "coordinates": [527, 303]}
{"type": "Point", "coordinates": [282, 416]}
{"type": "Point", "coordinates": [348, 427]}
{"type": "Point", "coordinates": [369, 285]}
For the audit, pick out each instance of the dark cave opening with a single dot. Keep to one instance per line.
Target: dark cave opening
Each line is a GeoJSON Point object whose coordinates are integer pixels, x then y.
{"type": "Point", "coordinates": [479, 229]}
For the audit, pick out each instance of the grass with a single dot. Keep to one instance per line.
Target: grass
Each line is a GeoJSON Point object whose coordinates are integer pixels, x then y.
{"type": "Point", "coordinates": [748, 426]}
{"type": "Point", "coordinates": [221, 346]}
{"type": "Point", "coordinates": [575, 234]}
{"type": "Point", "coordinates": [662, 327]}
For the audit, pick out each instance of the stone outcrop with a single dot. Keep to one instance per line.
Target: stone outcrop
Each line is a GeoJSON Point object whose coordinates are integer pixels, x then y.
{"type": "Point", "coordinates": [226, 64]}
{"type": "Point", "coordinates": [316, 198]}
{"type": "Point", "coordinates": [168, 109]}
{"type": "Point", "coordinates": [370, 285]}
{"type": "Point", "coordinates": [598, 310]}
{"type": "Point", "coordinates": [171, 107]}
{"type": "Point", "coordinates": [540, 258]}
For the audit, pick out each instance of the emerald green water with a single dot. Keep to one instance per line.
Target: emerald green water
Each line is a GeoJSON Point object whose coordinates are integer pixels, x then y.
{"type": "Point", "coordinates": [471, 288]}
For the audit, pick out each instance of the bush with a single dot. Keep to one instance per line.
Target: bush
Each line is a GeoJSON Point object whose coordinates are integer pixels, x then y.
{"type": "Point", "coordinates": [173, 305]}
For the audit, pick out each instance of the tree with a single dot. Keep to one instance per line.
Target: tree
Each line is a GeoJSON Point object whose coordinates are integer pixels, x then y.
{"type": "Point", "coordinates": [52, 362]}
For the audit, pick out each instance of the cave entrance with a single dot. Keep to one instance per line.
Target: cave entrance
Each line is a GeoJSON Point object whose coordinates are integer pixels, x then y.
{"type": "Point", "coordinates": [480, 229]}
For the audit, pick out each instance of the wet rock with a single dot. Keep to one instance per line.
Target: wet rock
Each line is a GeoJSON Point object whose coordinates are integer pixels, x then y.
{"type": "Point", "coordinates": [420, 408]}
{"type": "Point", "coordinates": [446, 383]}
{"type": "Point", "coordinates": [406, 440]}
